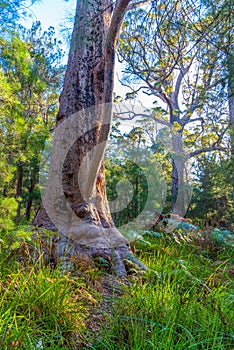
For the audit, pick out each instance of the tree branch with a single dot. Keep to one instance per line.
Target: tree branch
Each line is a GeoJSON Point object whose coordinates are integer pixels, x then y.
{"type": "Point", "coordinates": [137, 4]}
{"type": "Point", "coordinates": [183, 72]}
{"type": "Point", "coordinates": [132, 115]}
{"type": "Point", "coordinates": [116, 22]}
{"type": "Point", "coordinates": [207, 149]}
{"type": "Point", "coordinates": [199, 119]}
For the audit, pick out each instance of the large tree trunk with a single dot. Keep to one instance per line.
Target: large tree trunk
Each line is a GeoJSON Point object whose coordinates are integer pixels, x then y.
{"type": "Point", "coordinates": [75, 201]}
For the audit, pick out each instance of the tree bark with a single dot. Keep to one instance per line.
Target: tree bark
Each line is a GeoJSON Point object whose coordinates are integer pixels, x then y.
{"type": "Point", "coordinates": [178, 176]}
{"type": "Point", "coordinates": [178, 157]}
{"type": "Point", "coordinates": [75, 201]}
{"type": "Point", "coordinates": [31, 188]}
{"type": "Point", "coordinates": [18, 194]}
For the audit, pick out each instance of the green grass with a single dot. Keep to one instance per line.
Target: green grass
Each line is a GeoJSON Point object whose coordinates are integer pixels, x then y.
{"type": "Point", "coordinates": [184, 301]}
{"type": "Point", "coordinates": [39, 308]}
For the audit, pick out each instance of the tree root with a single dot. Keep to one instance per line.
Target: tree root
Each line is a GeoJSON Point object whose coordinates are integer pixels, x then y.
{"type": "Point", "coordinates": [61, 251]}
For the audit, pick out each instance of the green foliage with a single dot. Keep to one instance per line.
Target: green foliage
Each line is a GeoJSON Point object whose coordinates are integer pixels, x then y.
{"type": "Point", "coordinates": [30, 78]}
{"type": "Point", "coordinates": [8, 208]}
{"type": "Point", "coordinates": [223, 237]}
{"type": "Point", "coordinates": [174, 231]}
{"type": "Point", "coordinates": [212, 194]}
{"type": "Point", "coordinates": [136, 176]}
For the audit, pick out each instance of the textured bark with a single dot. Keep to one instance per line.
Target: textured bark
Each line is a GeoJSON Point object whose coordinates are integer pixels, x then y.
{"type": "Point", "coordinates": [75, 199]}
{"type": "Point", "coordinates": [178, 176]}
{"type": "Point", "coordinates": [28, 207]}
{"type": "Point", "coordinates": [178, 161]}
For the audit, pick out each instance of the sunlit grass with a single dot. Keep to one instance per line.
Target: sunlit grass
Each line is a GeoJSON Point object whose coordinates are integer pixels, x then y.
{"type": "Point", "coordinates": [185, 301]}
{"type": "Point", "coordinates": [39, 308]}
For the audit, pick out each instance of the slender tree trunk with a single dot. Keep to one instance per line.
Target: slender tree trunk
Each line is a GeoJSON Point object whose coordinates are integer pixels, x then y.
{"type": "Point", "coordinates": [75, 199]}
{"type": "Point", "coordinates": [18, 194]}
{"type": "Point", "coordinates": [28, 207]}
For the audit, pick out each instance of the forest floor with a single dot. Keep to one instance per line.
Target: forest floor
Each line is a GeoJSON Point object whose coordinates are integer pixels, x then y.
{"type": "Point", "coordinates": [184, 301]}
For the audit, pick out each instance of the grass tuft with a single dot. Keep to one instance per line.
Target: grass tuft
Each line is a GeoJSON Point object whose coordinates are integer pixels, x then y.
{"type": "Point", "coordinates": [184, 301]}
{"type": "Point", "coordinates": [40, 308]}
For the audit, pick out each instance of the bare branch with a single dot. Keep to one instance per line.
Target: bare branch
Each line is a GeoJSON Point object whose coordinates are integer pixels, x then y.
{"type": "Point", "coordinates": [132, 115]}
{"type": "Point", "coordinates": [199, 119]}
{"type": "Point", "coordinates": [137, 4]}
{"type": "Point", "coordinates": [207, 149]}
{"type": "Point", "coordinates": [183, 72]}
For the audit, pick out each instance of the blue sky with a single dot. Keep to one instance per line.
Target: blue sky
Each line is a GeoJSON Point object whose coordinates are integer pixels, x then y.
{"type": "Point", "coordinates": [50, 12]}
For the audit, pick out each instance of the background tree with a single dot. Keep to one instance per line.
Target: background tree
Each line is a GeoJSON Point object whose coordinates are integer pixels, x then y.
{"type": "Point", "coordinates": [31, 77]}
{"type": "Point", "coordinates": [167, 56]}
{"type": "Point", "coordinates": [212, 200]}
